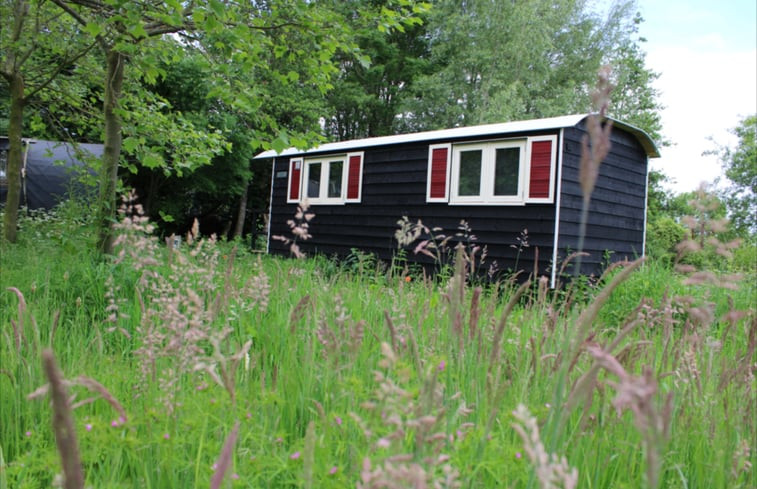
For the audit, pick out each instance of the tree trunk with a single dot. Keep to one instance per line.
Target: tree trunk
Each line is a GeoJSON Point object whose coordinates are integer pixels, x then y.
{"type": "Point", "coordinates": [112, 151]}
{"type": "Point", "coordinates": [15, 156]}
{"type": "Point", "coordinates": [241, 213]}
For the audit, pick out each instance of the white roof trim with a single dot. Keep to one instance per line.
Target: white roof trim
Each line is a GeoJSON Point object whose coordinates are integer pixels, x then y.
{"type": "Point", "coordinates": [461, 132]}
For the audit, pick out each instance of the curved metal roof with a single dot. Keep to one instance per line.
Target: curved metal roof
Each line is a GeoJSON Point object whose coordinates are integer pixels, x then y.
{"type": "Point", "coordinates": [469, 131]}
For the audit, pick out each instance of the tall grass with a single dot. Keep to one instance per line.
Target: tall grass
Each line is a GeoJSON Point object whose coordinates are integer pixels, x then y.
{"type": "Point", "coordinates": [239, 370]}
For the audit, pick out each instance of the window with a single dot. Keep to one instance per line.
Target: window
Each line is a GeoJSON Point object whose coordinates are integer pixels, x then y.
{"type": "Point", "coordinates": [331, 179]}
{"type": "Point", "coordinates": [488, 173]}
{"type": "Point", "coordinates": [324, 180]}
{"type": "Point", "coordinates": [503, 172]}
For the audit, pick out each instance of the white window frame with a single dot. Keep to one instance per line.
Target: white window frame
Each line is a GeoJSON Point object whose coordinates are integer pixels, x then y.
{"type": "Point", "coordinates": [325, 162]}
{"type": "Point", "coordinates": [487, 196]}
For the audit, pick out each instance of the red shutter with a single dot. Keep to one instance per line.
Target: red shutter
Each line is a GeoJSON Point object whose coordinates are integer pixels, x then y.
{"type": "Point", "coordinates": [437, 175]}
{"type": "Point", "coordinates": [541, 166]}
{"type": "Point", "coordinates": [354, 176]}
{"type": "Point", "coordinates": [295, 172]}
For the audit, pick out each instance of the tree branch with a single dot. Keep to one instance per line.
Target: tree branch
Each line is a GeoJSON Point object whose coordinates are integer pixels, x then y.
{"type": "Point", "coordinates": [59, 68]}
{"type": "Point", "coordinates": [20, 11]}
{"type": "Point", "coordinates": [78, 18]}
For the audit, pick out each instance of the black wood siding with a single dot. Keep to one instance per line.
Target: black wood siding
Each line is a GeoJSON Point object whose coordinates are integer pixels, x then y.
{"type": "Point", "coordinates": [394, 185]}
{"type": "Point", "coordinates": [617, 209]}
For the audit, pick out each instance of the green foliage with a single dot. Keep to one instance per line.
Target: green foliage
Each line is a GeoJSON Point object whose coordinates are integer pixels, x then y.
{"type": "Point", "coordinates": [502, 61]}
{"type": "Point", "coordinates": [267, 64]}
{"type": "Point", "coordinates": [634, 99]}
{"type": "Point", "coordinates": [701, 217]}
{"type": "Point", "coordinates": [745, 257]}
{"type": "Point", "coordinates": [740, 166]}
{"type": "Point", "coordinates": [658, 198]}
{"type": "Point", "coordinates": [372, 82]}
{"type": "Point", "coordinates": [663, 234]}
{"type": "Point", "coordinates": [664, 229]}
{"type": "Point", "coordinates": [354, 367]}
{"type": "Point", "coordinates": [32, 59]}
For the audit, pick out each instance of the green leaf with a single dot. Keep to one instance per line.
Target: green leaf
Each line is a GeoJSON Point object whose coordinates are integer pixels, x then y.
{"type": "Point", "coordinates": [151, 73]}
{"type": "Point", "coordinates": [211, 24]}
{"type": "Point", "coordinates": [138, 30]}
{"type": "Point", "coordinates": [130, 144]}
{"type": "Point", "coordinates": [166, 217]}
{"type": "Point", "coordinates": [93, 29]}
{"type": "Point", "coordinates": [217, 8]}
{"type": "Point", "coordinates": [279, 144]}
{"type": "Point", "coordinates": [198, 16]}
{"type": "Point", "coordinates": [153, 160]}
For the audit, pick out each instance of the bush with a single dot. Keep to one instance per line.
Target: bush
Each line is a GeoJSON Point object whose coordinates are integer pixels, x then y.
{"type": "Point", "coordinates": [663, 234]}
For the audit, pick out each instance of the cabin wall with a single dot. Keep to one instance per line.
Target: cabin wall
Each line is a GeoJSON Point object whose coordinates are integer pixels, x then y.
{"type": "Point", "coordinates": [394, 185]}
{"type": "Point", "coordinates": [51, 170]}
{"type": "Point", "coordinates": [618, 204]}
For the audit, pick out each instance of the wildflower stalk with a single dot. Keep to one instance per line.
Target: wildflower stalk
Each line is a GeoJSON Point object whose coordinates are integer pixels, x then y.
{"type": "Point", "coordinates": [224, 459]}
{"type": "Point", "coordinates": [573, 347]}
{"type": "Point", "coordinates": [594, 148]}
{"type": "Point", "coordinates": [63, 425]}
{"type": "Point", "coordinates": [553, 472]}
{"type": "Point", "coordinates": [309, 456]}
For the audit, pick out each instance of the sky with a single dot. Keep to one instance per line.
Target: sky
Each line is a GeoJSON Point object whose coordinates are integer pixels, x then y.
{"type": "Point", "coordinates": [706, 55]}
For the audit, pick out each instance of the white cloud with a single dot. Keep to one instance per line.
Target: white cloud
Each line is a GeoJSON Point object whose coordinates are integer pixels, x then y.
{"type": "Point", "coordinates": [705, 92]}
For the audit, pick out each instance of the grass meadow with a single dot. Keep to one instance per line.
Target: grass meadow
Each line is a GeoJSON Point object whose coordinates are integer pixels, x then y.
{"type": "Point", "coordinates": [208, 365]}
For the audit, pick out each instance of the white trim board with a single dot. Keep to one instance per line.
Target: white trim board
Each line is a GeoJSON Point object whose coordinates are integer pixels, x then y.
{"type": "Point", "coordinates": [462, 132]}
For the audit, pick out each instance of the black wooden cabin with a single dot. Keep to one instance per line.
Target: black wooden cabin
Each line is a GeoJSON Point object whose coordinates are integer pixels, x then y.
{"type": "Point", "coordinates": [48, 171]}
{"type": "Point", "coordinates": [501, 179]}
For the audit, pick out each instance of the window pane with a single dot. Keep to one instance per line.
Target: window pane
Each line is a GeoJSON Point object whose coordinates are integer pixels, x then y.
{"type": "Point", "coordinates": [506, 171]}
{"type": "Point", "coordinates": [470, 173]}
{"type": "Point", "coordinates": [314, 180]}
{"type": "Point", "coordinates": [335, 179]}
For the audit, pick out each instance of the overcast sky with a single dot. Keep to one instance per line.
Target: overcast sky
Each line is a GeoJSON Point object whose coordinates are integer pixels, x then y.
{"type": "Point", "coordinates": [706, 54]}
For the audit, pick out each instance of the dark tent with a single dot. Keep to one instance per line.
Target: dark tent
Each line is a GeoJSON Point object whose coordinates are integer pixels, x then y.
{"type": "Point", "coordinates": [48, 171]}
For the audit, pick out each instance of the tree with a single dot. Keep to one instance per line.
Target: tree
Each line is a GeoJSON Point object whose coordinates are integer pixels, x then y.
{"type": "Point", "coordinates": [31, 58]}
{"type": "Point", "coordinates": [121, 29]}
{"type": "Point", "coordinates": [367, 93]}
{"type": "Point", "coordinates": [664, 230]}
{"type": "Point", "coordinates": [501, 61]}
{"type": "Point", "coordinates": [740, 167]}
{"type": "Point", "coordinates": [215, 193]}
{"type": "Point", "coordinates": [634, 99]}
{"type": "Point", "coordinates": [241, 33]}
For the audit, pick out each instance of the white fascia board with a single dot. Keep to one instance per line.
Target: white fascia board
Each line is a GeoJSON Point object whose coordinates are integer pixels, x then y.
{"type": "Point", "coordinates": [443, 134]}
{"type": "Point", "coordinates": [471, 131]}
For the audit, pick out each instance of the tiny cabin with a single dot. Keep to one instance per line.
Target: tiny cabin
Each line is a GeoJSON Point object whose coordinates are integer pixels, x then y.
{"type": "Point", "coordinates": [508, 182]}
{"type": "Point", "coordinates": [48, 170]}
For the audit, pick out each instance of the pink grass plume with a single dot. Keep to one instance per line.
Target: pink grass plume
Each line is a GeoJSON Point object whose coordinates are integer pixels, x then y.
{"type": "Point", "coordinates": [224, 460]}
{"type": "Point", "coordinates": [63, 425]}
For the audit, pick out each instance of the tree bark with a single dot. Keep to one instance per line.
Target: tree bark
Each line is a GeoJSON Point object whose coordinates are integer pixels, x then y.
{"type": "Point", "coordinates": [241, 213]}
{"type": "Point", "coordinates": [106, 204]}
{"type": "Point", "coordinates": [15, 156]}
